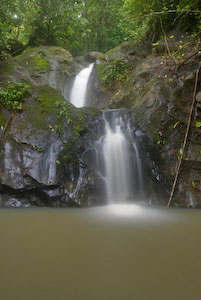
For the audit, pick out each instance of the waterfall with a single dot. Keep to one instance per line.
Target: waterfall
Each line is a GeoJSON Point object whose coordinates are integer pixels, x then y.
{"type": "Point", "coordinates": [79, 89]}
{"type": "Point", "coordinates": [118, 159]}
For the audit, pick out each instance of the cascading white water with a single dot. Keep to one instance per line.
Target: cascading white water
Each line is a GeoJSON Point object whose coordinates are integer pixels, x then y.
{"type": "Point", "coordinates": [79, 89]}
{"type": "Point", "coordinates": [116, 163]}
{"type": "Point", "coordinates": [117, 157]}
{"type": "Point", "coordinates": [121, 167]}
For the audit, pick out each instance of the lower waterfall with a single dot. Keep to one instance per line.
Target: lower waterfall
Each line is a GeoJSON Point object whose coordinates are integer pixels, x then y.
{"type": "Point", "coordinates": [118, 159]}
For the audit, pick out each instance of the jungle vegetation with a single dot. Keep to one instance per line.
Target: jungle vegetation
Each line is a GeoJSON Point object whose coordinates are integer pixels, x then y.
{"type": "Point", "coordinates": [88, 25]}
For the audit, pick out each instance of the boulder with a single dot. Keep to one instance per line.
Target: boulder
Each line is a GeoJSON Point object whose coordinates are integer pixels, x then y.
{"type": "Point", "coordinates": [43, 145]}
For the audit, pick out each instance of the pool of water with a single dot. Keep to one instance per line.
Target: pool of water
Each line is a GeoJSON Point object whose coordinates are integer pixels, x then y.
{"type": "Point", "coordinates": [120, 252]}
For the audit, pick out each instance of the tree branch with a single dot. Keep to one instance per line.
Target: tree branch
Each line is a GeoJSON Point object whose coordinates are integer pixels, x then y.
{"type": "Point", "coordinates": [185, 138]}
{"type": "Point", "coordinates": [169, 11]}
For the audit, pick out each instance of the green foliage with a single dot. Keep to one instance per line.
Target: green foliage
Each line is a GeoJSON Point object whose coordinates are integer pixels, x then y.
{"type": "Point", "coordinates": [37, 148]}
{"type": "Point", "coordinates": [160, 139]}
{"type": "Point", "coordinates": [114, 73]}
{"type": "Point", "coordinates": [79, 26]}
{"type": "Point", "coordinates": [106, 27]}
{"type": "Point", "coordinates": [88, 25]}
{"type": "Point", "coordinates": [197, 124]}
{"type": "Point", "coordinates": [12, 95]}
{"type": "Point", "coordinates": [63, 111]}
{"type": "Point", "coordinates": [74, 117]}
{"type": "Point", "coordinates": [16, 20]}
{"type": "Point", "coordinates": [149, 16]}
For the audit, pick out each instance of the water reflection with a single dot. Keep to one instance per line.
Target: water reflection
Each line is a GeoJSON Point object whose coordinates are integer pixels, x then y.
{"type": "Point", "coordinates": [124, 210]}
{"type": "Point", "coordinates": [134, 213]}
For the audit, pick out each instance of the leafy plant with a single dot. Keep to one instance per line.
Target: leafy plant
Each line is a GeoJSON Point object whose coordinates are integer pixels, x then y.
{"type": "Point", "coordinates": [37, 148]}
{"type": "Point", "coordinates": [72, 116]}
{"type": "Point", "coordinates": [63, 111]}
{"type": "Point", "coordinates": [114, 73]}
{"type": "Point", "coordinates": [197, 124]}
{"type": "Point", "coordinates": [12, 95]}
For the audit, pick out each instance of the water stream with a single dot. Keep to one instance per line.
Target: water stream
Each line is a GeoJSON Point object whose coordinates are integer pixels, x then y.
{"type": "Point", "coordinates": [79, 89]}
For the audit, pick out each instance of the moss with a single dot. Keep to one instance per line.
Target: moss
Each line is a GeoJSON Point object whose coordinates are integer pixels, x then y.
{"type": "Point", "coordinates": [7, 68]}
{"type": "Point", "coordinates": [40, 111]}
{"type": "Point", "coordinates": [49, 111]}
{"type": "Point", "coordinates": [38, 63]}
{"type": "Point", "coordinates": [35, 117]}
{"type": "Point", "coordinates": [3, 119]}
{"type": "Point", "coordinates": [79, 124]}
{"type": "Point", "coordinates": [114, 74]}
{"type": "Point", "coordinates": [34, 59]}
{"type": "Point", "coordinates": [47, 97]}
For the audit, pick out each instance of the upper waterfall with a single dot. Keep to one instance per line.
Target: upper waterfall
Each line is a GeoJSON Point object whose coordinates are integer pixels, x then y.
{"type": "Point", "coordinates": [79, 89]}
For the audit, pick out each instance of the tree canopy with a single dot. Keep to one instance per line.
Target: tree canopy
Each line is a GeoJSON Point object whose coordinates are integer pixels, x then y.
{"type": "Point", "coordinates": [87, 25]}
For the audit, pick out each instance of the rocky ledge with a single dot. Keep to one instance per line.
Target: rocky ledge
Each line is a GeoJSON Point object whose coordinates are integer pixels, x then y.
{"type": "Point", "coordinates": [158, 90]}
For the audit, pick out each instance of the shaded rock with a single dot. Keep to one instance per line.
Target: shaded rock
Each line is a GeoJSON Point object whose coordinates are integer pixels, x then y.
{"type": "Point", "coordinates": [96, 97]}
{"type": "Point", "coordinates": [198, 97]}
{"type": "Point", "coordinates": [92, 56]}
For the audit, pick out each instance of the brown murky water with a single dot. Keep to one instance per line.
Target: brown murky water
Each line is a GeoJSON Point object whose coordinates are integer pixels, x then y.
{"type": "Point", "coordinates": [108, 253]}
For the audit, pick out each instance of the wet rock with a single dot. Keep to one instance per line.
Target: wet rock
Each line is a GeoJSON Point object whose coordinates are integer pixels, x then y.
{"type": "Point", "coordinates": [96, 97]}
{"type": "Point", "coordinates": [42, 146]}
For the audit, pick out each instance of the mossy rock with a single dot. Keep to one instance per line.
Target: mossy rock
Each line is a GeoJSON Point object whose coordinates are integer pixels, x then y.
{"type": "Point", "coordinates": [34, 61]}
{"type": "Point", "coordinates": [58, 53]}
{"type": "Point", "coordinates": [7, 69]}
{"type": "Point", "coordinates": [48, 102]}
{"type": "Point", "coordinates": [38, 110]}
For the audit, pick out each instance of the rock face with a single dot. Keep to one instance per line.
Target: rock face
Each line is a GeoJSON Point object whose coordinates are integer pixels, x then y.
{"type": "Point", "coordinates": [159, 95]}
{"type": "Point", "coordinates": [95, 96]}
{"type": "Point", "coordinates": [44, 147]}
{"type": "Point", "coordinates": [47, 155]}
